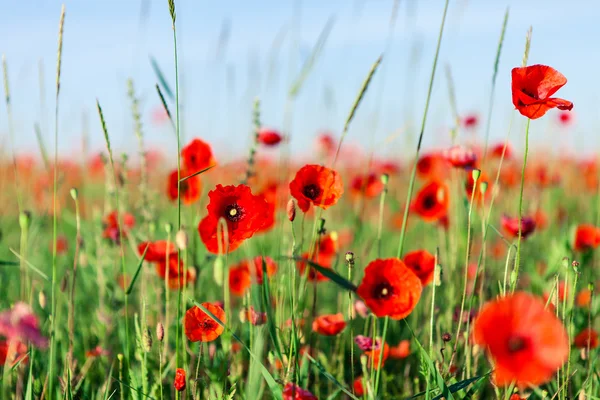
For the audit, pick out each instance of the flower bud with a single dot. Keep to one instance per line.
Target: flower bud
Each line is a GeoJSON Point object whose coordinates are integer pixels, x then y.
{"type": "Point", "coordinates": [181, 239]}
{"type": "Point", "coordinates": [147, 340]}
{"type": "Point", "coordinates": [160, 332]}
{"type": "Point", "coordinates": [291, 210]}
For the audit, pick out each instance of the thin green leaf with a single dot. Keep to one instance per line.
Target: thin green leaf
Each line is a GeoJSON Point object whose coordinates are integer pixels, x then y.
{"type": "Point", "coordinates": [431, 367]}
{"type": "Point", "coordinates": [11, 263]}
{"type": "Point", "coordinates": [197, 173]}
{"type": "Point", "coordinates": [161, 78]}
{"type": "Point", "coordinates": [69, 390]}
{"type": "Point", "coordinates": [266, 297]}
{"type": "Point", "coordinates": [327, 375]}
{"type": "Point", "coordinates": [132, 388]}
{"type": "Point", "coordinates": [30, 265]}
{"type": "Point", "coordinates": [275, 389]}
{"type": "Point", "coordinates": [110, 371]}
{"type": "Point", "coordinates": [454, 387]}
{"type": "Point", "coordinates": [310, 62]}
{"type": "Point", "coordinates": [137, 271]}
{"type": "Point", "coordinates": [329, 273]}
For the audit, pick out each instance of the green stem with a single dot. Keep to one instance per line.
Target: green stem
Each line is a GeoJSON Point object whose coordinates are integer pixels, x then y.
{"type": "Point", "coordinates": [515, 277]}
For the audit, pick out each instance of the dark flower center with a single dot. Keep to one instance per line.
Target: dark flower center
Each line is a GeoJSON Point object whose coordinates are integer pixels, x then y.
{"type": "Point", "coordinates": [234, 212]}
{"type": "Point", "coordinates": [383, 291]}
{"type": "Point", "coordinates": [207, 324]}
{"type": "Point", "coordinates": [516, 344]}
{"type": "Point", "coordinates": [311, 191]}
{"type": "Point", "coordinates": [429, 202]}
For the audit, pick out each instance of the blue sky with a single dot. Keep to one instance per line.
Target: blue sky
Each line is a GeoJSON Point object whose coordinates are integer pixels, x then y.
{"type": "Point", "coordinates": [104, 44]}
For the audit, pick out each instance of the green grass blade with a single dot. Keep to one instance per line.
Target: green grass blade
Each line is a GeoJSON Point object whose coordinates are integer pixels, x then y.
{"type": "Point", "coordinates": [137, 271]}
{"type": "Point", "coordinates": [275, 389]}
{"type": "Point", "coordinates": [266, 298]}
{"type": "Point", "coordinates": [132, 388]}
{"type": "Point", "coordinates": [329, 273]}
{"type": "Point", "coordinates": [30, 265]}
{"type": "Point", "coordinates": [330, 377]}
{"type": "Point", "coordinates": [197, 173]}
{"type": "Point", "coordinates": [161, 78]}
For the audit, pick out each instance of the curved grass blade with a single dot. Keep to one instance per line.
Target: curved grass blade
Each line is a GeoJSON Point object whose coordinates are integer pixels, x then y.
{"type": "Point", "coordinates": [275, 389]}
{"type": "Point", "coordinates": [197, 173]}
{"type": "Point", "coordinates": [454, 387]}
{"type": "Point", "coordinates": [161, 78]}
{"type": "Point", "coordinates": [267, 308]}
{"type": "Point", "coordinates": [475, 388]}
{"type": "Point", "coordinates": [329, 273]}
{"type": "Point", "coordinates": [132, 388]}
{"type": "Point", "coordinates": [327, 375]}
{"type": "Point", "coordinates": [137, 271]}
{"type": "Point", "coordinates": [30, 265]}
{"type": "Point", "coordinates": [316, 52]}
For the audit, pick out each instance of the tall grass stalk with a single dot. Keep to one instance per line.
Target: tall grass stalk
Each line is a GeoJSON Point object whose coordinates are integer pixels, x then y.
{"type": "Point", "coordinates": [52, 360]}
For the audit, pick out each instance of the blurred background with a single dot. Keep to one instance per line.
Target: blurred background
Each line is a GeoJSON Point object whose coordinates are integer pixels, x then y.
{"type": "Point", "coordinates": [231, 52]}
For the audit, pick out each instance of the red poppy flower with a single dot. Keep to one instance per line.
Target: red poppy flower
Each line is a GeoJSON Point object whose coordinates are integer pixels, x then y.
{"type": "Point", "coordinates": [325, 143]}
{"type": "Point", "coordinates": [532, 87]}
{"type": "Point", "coordinates": [242, 211]}
{"type": "Point", "coordinates": [62, 245]}
{"type": "Point", "coordinates": [190, 189]}
{"type": "Point", "coordinates": [328, 245]}
{"type": "Point", "coordinates": [470, 121]}
{"type": "Point", "coordinates": [461, 157]}
{"type": "Point", "coordinates": [269, 194]}
{"type": "Point", "coordinates": [422, 264]}
{"type": "Point", "coordinates": [478, 197]}
{"type": "Point", "coordinates": [318, 185]}
{"type": "Point", "coordinates": [565, 118]}
{"type": "Point", "coordinates": [197, 156]}
{"type": "Point", "coordinates": [254, 317]}
{"type": "Point", "coordinates": [269, 137]}
{"type": "Point", "coordinates": [158, 250]}
{"type": "Point", "coordinates": [370, 185]}
{"type": "Point", "coordinates": [270, 264]}
{"type": "Point", "coordinates": [97, 351]}
{"type": "Point", "coordinates": [527, 342]}
{"type": "Point", "coordinates": [179, 382]}
{"type": "Point", "coordinates": [432, 201]}
{"type": "Point", "coordinates": [585, 338]}
{"type": "Point", "coordinates": [292, 391]}
{"type": "Point", "coordinates": [584, 298]}
{"type": "Point", "coordinates": [357, 385]}
{"type": "Point", "coordinates": [177, 277]}
{"type": "Point", "coordinates": [511, 226]}
{"type": "Point", "coordinates": [515, 396]}
{"type": "Point", "coordinates": [239, 279]}
{"type": "Point", "coordinates": [497, 150]}
{"type": "Point", "coordinates": [587, 237]}
{"type": "Point", "coordinates": [111, 226]}
{"type": "Point", "coordinates": [401, 350]}
{"type": "Point", "coordinates": [199, 326]}
{"type": "Point", "coordinates": [329, 325]}
{"type": "Point", "coordinates": [12, 353]}
{"type": "Point", "coordinates": [432, 166]}
{"type": "Point", "coordinates": [389, 288]}
{"type": "Point", "coordinates": [375, 353]}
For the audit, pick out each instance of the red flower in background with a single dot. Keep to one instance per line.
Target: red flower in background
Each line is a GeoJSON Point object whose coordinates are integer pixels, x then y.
{"type": "Point", "coordinates": [177, 277]}
{"type": "Point", "coordinates": [422, 264]}
{"type": "Point", "coordinates": [12, 352]}
{"type": "Point", "coordinates": [179, 382]}
{"type": "Point", "coordinates": [243, 212]}
{"type": "Point", "coordinates": [317, 185]}
{"type": "Point", "coordinates": [527, 342]}
{"type": "Point", "coordinates": [157, 251]}
{"type": "Point", "coordinates": [431, 202]}
{"type": "Point", "coordinates": [323, 260]}
{"type": "Point", "coordinates": [497, 150]}
{"type": "Point", "coordinates": [111, 226]}
{"type": "Point", "coordinates": [269, 137]}
{"type": "Point", "coordinates": [375, 353]}
{"type": "Point", "coordinates": [270, 195]}
{"type": "Point", "coordinates": [270, 265]}
{"type": "Point", "coordinates": [370, 185]}
{"type": "Point", "coordinates": [401, 350]}
{"type": "Point", "coordinates": [196, 156]}
{"type": "Point", "coordinates": [478, 196]}
{"type": "Point", "coordinates": [254, 317]}
{"type": "Point", "coordinates": [460, 157]}
{"type": "Point", "coordinates": [239, 279]}
{"type": "Point", "coordinates": [565, 118]}
{"type": "Point", "coordinates": [588, 337]}
{"type": "Point", "coordinates": [532, 87]}
{"type": "Point", "coordinates": [190, 189]}
{"type": "Point", "coordinates": [587, 237]}
{"type": "Point", "coordinates": [292, 391]}
{"type": "Point", "coordinates": [199, 326]}
{"type": "Point", "coordinates": [325, 143]}
{"type": "Point", "coordinates": [389, 288]}
{"type": "Point", "coordinates": [329, 325]}
{"type": "Point", "coordinates": [511, 226]}
{"type": "Point", "coordinates": [432, 166]}
{"type": "Point", "coordinates": [470, 121]}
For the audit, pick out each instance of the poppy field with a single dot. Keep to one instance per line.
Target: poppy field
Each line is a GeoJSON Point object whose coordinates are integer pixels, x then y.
{"type": "Point", "coordinates": [459, 272]}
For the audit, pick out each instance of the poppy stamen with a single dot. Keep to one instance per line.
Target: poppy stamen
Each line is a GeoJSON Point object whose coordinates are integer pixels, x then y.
{"type": "Point", "coordinates": [383, 291]}
{"type": "Point", "coordinates": [234, 213]}
{"type": "Point", "coordinates": [311, 191]}
{"type": "Point", "coordinates": [516, 344]}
